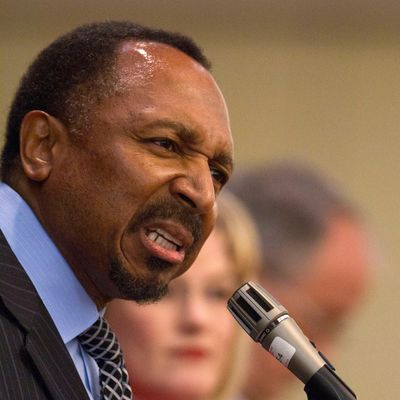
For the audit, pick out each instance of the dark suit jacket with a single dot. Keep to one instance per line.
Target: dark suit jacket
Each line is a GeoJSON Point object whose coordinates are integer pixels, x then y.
{"type": "Point", "coordinates": [34, 362]}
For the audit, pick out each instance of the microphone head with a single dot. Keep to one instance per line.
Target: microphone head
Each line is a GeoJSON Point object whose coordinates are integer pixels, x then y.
{"type": "Point", "coordinates": [256, 310]}
{"type": "Point", "coordinates": [266, 321]}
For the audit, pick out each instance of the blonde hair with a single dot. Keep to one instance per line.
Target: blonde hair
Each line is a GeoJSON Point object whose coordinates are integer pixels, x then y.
{"type": "Point", "coordinates": [236, 225]}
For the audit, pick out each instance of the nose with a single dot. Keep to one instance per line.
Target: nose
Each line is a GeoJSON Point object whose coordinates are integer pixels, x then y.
{"type": "Point", "coordinates": [194, 313]}
{"type": "Point", "coordinates": [195, 189]}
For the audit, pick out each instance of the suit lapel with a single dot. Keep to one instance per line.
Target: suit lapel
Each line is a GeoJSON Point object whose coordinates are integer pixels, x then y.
{"type": "Point", "coordinates": [43, 342]}
{"type": "Point", "coordinates": [54, 363]}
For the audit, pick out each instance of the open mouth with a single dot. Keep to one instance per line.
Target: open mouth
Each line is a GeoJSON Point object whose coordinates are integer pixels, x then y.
{"type": "Point", "coordinates": [167, 241]}
{"type": "Point", "coordinates": [164, 239]}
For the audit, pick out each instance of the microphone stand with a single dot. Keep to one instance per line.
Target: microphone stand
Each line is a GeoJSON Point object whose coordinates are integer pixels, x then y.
{"type": "Point", "coordinates": [326, 385]}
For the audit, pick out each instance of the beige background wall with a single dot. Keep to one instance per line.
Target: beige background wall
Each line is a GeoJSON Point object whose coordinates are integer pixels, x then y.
{"type": "Point", "coordinates": [313, 80]}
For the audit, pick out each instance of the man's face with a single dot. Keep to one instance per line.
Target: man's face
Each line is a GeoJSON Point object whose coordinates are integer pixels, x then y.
{"type": "Point", "coordinates": [133, 197]}
{"type": "Point", "coordinates": [320, 299]}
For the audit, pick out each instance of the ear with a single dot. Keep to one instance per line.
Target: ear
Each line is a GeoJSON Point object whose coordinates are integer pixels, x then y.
{"type": "Point", "coordinates": [40, 133]}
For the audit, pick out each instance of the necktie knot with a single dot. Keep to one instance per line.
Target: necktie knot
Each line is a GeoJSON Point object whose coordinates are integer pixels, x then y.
{"type": "Point", "coordinates": [100, 342]}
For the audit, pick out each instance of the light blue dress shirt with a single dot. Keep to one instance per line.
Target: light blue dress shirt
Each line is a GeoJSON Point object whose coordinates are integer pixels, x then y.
{"type": "Point", "coordinates": [68, 304]}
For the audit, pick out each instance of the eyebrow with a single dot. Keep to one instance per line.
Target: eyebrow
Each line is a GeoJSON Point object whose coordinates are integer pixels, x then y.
{"type": "Point", "coordinates": [188, 135]}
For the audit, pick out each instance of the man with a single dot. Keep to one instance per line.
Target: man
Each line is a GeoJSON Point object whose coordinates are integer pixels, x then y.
{"type": "Point", "coordinates": [118, 142]}
{"type": "Point", "coordinates": [316, 259]}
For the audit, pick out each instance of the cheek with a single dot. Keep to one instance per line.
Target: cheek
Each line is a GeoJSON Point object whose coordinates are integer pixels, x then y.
{"type": "Point", "coordinates": [224, 331]}
{"type": "Point", "coordinates": [226, 328]}
{"type": "Point", "coordinates": [142, 330]}
{"type": "Point", "coordinates": [138, 330]}
{"type": "Point", "coordinates": [147, 336]}
{"type": "Point", "coordinates": [115, 175]}
{"type": "Point", "coordinates": [224, 349]}
{"type": "Point", "coordinates": [139, 169]}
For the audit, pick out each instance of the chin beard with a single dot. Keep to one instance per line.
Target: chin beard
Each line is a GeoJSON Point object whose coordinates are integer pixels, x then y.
{"type": "Point", "coordinates": [141, 290]}
{"type": "Point", "coordinates": [151, 289]}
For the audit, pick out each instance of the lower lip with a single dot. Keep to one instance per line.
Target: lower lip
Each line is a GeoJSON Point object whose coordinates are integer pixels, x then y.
{"type": "Point", "coordinates": [171, 256]}
{"type": "Point", "coordinates": [191, 354]}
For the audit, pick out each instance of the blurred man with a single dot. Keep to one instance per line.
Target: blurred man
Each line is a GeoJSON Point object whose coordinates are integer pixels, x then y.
{"type": "Point", "coordinates": [118, 142]}
{"type": "Point", "coordinates": [316, 259]}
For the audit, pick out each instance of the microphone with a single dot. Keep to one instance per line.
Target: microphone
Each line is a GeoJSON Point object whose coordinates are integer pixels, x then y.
{"type": "Point", "coordinates": [266, 321]}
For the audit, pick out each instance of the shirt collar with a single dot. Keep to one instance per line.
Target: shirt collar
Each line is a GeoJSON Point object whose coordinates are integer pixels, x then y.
{"type": "Point", "coordinates": [67, 302]}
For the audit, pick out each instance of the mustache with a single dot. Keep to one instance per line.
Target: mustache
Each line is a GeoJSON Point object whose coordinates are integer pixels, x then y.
{"type": "Point", "coordinates": [169, 209]}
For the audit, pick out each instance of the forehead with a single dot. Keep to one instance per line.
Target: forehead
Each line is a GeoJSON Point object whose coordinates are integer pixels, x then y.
{"type": "Point", "coordinates": [339, 272]}
{"type": "Point", "coordinates": [148, 59]}
{"type": "Point", "coordinates": [156, 67]}
{"type": "Point", "coordinates": [159, 82]}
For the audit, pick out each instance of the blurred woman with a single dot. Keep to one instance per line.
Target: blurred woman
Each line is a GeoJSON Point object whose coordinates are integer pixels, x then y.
{"type": "Point", "coordinates": [187, 346]}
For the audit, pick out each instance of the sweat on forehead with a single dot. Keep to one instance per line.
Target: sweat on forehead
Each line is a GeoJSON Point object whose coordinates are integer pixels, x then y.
{"type": "Point", "coordinates": [138, 61]}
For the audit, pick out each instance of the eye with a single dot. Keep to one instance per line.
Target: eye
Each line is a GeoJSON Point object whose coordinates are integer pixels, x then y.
{"type": "Point", "coordinates": [218, 293]}
{"type": "Point", "coordinates": [167, 144]}
{"type": "Point", "coordinates": [218, 175]}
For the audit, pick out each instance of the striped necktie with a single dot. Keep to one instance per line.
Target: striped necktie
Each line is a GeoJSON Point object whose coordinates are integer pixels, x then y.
{"type": "Point", "coordinates": [100, 342]}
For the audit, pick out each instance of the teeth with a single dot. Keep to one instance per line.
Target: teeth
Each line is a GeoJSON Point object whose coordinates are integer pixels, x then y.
{"type": "Point", "coordinates": [152, 235]}
{"type": "Point", "coordinates": [163, 242]}
{"type": "Point", "coordinates": [167, 236]}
